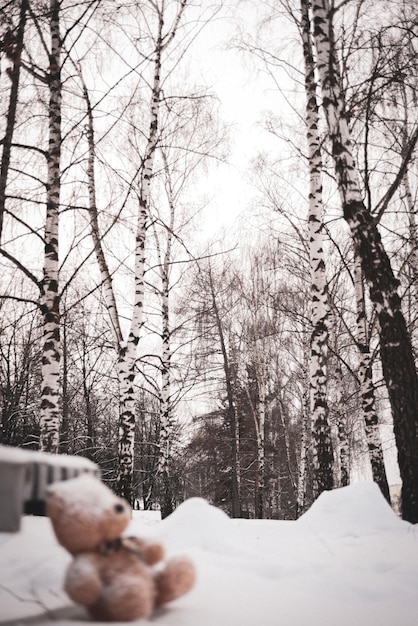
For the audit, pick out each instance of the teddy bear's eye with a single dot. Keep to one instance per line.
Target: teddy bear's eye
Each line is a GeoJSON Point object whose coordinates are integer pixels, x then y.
{"type": "Point", "coordinates": [119, 508]}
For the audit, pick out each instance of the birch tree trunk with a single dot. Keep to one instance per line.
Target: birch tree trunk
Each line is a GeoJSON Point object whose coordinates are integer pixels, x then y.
{"type": "Point", "coordinates": [166, 432]}
{"type": "Point", "coordinates": [367, 391]}
{"type": "Point", "coordinates": [127, 349]}
{"type": "Point", "coordinates": [65, 409]}
{"type": "Point", "coordinates": [303, 459]}
{"type": "Point", "coordinates": [128, 352]}
{"type": "Point", "coordinates": [261, 413]}
{"type": "Point", "coordinates": [258, 410]}
{"type": "Point", "coordinates": [323, 457]}
{"type": "Point", "coordinates": [302, 467]}
{"type": "Point", "coordinates": [412, 262]}
{"type": "Point", "coordinates": [412, 257]}
{"type": "Point", "coordinates": [341, 419]}
{"type": "Point", "coordinates": [271, 480]}
{"type": "Point", "coordinates": [413, 232]}
{"type": "Point", "coordinates": [13, 49]}
{"type": "Point", "coordinates": [51, 353]}
{"type": "Point", "coordinates": [109, 294]}
{"type": "Point", "coordinates": [395, 344]}
{"type": "Point", "coordinates": [166, 417]}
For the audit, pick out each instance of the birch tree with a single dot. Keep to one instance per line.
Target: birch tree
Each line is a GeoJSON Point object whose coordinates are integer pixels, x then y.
{"type": "Point", "coordinates": [408, 106]}
{"type": "Point", "coordinates": [50, 306]}
{"type": "Point", "coordinates": [128, 350]}
{"type": "Point", "coordinates": [395, 345]}
{"type": "Point", "coordinates": [25, 154]}
{"type": "Point", "coordinates": [195, 139]}
{"type": "Point", "coordinates": [257, 350]}
{"type": "Point", "coordinates": [367, 389]}
{"type": "Point", "coordinates": [303, 459]}
{"type": "Point", "coordinates": [321, 433]}
{"type": "Point", "coordinates": [167, 120]}
{"type": "Point", "coordinates": [49, 285]}
{"type": "Point", "coordinates": [260, 425]}
{"type": "Point", "coordinates": [343, 454]}
{"type": "Point", "coordinates": [166, 404]}
{"type": "Point", "coordinates": [12, 45]}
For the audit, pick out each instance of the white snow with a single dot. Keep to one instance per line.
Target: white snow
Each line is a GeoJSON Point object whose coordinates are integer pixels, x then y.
{"type": "Point", "coordinates": [349, 561]}
{"type": "Point", "coordinates": [9, 454]}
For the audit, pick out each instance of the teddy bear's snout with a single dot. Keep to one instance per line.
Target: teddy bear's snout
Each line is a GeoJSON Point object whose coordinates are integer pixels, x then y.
{"type": "Point", "coordinates": [119, 508]}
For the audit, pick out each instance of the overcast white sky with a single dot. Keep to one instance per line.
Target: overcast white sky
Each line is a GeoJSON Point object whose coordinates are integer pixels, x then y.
{"type": "Point", "coordinates": [243, 94]}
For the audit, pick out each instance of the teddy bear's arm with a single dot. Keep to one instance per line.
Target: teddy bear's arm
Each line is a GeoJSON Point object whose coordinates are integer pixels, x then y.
{"type": "Point", "coordinates": [82, 581]}
{"type": "Point", "coordinates": [151, 552]}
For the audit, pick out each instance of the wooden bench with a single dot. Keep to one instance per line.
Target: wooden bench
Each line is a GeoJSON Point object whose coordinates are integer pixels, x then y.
{"type": "Point", "coordinates": [24, 477]}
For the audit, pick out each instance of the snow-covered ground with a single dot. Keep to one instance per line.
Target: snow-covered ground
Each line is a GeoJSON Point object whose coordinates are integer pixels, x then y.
{"type": "Point", "coordinates": [349, 561]}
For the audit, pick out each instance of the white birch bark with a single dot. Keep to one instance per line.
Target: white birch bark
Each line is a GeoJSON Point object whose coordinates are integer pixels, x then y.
{"type": "Point", "coordinates": [128, 352]}
{"type": "Point", "coordinates": [413, 232]}
{"type": "Point", "coordinates": [321, 431]}
{"type": "Point", "coordinates": [367, 390]}
{"type": "Point", "coordinates": [395, 344]}
{"type": "Point", "coordinates": [261, 411]}
{"type": "Point", "coordinates": [109, 294]}
{"type": "Point", "coordinates": [271, 473]}
{"type": "Point", "coordinates": [259, 418]}
{"type": "Point", "coordinates": [13, 52]}
{"type": "Point", "coordinates": [341, 419]}
{"type": "Point", "coordinates": [413, 255]}
{"type": "Point", "coordinates": [166, 421]}
{"type": "Point", "coordinates": [303, 460]}
{"type": "Point", "coordinates": [127, 349]}
{"type": "Point", "coordinates": [166, 417]}
{"type": "Point", "coordinates": [301, 499]}
{"type": "Point", "coordinates": [126, 358]}
{"type": "Point", "coordinates": [51, 352]}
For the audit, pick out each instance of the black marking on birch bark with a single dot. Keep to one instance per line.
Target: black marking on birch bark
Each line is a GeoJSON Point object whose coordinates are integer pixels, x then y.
{"type": "Point", "coordinates": [47, 404]}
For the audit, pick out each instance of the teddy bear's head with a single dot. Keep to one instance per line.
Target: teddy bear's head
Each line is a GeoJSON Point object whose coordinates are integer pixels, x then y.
{"type": "Point", "coordinates": [85, 513]}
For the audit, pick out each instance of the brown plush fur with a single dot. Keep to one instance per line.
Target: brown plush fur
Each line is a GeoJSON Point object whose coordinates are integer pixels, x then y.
{"type": "Point", "coordinates": [111, 575]}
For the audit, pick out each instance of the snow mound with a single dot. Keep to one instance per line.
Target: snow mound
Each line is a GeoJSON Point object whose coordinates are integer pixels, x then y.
{"type": "Point", "coordinates": [359, 509]}
{"type": "Point", "coordinates": [333, 566]}
{"type": "Point", "coordinates": [197, 524]}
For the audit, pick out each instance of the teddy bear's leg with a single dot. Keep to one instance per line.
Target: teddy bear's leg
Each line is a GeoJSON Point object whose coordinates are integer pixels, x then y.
{"type": "Point", "coordinates": [125, 599]}
{"type": "Point", "coordinates": [176, 579]}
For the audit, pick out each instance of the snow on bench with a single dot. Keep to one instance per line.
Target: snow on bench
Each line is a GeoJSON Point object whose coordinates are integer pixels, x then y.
{"type": "Point", "coordinates": [24, 477]}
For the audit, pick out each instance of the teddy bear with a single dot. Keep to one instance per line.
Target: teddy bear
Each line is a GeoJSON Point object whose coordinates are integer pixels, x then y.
{"type": "Point", "coordinates": [116, 578]}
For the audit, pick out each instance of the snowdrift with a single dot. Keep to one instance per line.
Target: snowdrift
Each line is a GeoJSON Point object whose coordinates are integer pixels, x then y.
{"type": "Point", "coordinates": [348, 561]}
{"type": "Point", "coordinates": [359, 509]}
